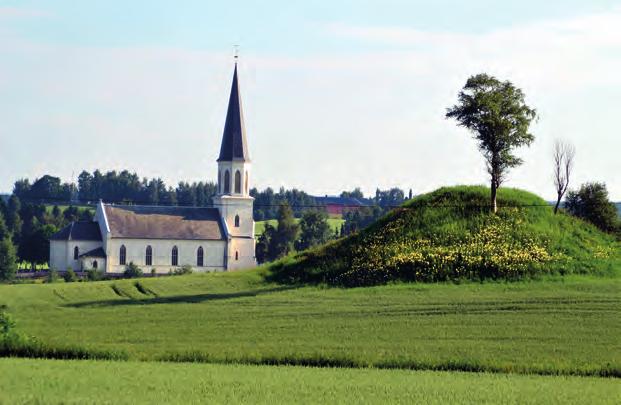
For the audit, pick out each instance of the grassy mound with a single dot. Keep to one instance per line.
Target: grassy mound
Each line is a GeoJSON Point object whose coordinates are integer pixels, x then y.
{"type": "Point", "coordinates": [449, 234]}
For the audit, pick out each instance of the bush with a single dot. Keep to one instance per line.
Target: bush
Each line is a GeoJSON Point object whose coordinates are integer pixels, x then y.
{"type": "Point", "coordinates": [153, 271]}
{"type": "Point", "coordinates": [94, 275]}
{"type": "Point", "coordinates": [132, 271]}
{"type": "Point", "coordinates": [70, 276]}
{"type": "Point", "coordinates": [591, 204]}
{"type": "Point", "coordinates": [8, 260]}
{"type": "Point", "coordinates": [52, 276]}
{"type": "Point", "coordinates": [185, 269]}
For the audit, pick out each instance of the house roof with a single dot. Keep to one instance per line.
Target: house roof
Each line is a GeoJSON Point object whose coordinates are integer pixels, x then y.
{"type": "Point", "coordinates": [234, 145]}
{"type": "Point", "coordinates": [80, 230]}
{"type": "Point", "coordinates": [99, 252]}
{"type": "Point", "coordinates": [148, 222]}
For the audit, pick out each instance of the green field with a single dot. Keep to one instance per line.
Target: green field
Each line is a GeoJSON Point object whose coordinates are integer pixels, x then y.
{"type": "Point", "coordinates": [569, 325]}
{"type": "Point", "coordinates": [259, 227]}
{"type": "Point", "coordinates": [54, 382]}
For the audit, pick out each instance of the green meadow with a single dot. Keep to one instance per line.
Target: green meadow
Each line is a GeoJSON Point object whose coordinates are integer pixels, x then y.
{"type": "Point", "coordinates": [565, 325]}
{"type": "Point", "coordinates": [91, 382]}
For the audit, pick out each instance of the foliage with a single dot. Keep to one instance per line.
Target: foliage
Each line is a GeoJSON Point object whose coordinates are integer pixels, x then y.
{"type": "Point", "coordinates": [447, 235]}
{"type": "Point", "coordinates": [95, 275]}
{"type": "Point", "coordinates": [8, 260]}
{"type": "Point", "coordinates": [69, 276]}
{"type": "Point", "coordinates": [262, 248]}
{"type": "Point", "coordinates": [52, 276]}
{"type": "Point", "coordinates": [314, 229]}
{"type": "Point", "coordinates": [495, 112]}
{"type": "Point", "coordinates": [185, 269]}
{"type": "Point", "coordinates": [359, 219]}
{"type": "Point", "coordinates": [132, 271]}
{"type": "Point", "coordinates": [591, 203]}
{"type": "Point", "coordinates": [267, 202]}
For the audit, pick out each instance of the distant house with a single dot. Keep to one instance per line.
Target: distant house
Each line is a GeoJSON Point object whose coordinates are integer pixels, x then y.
{"type": "Point", "coordinates": [160, 239]}
{"type": "Point", "coordinates": [335, 205]}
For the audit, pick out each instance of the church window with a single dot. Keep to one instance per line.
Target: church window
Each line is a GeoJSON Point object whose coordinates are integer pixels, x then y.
{"type": "Point", "coordinates": [76, 253]}
{"type": "Point", "coordinates": [148, 257]}
{"type": "Point", "coordinates": [236, 221]}
{"type": "Point", "coordinates": [219, 182]}
{"type": "Point", "coordinates": [200, 256]}
{"type": "Point", "coordinates": [122, 255]}
{"type": "Point", "coordinates": [236, 255]}
{"type": "Point", "coordinates": [227, 182]}
{"type": "Point", "coordinates": [237, 182]}
{"type": "Point", "coordinates": [95, 264]}
{"type": "Point", "coordinates": [175, 256]}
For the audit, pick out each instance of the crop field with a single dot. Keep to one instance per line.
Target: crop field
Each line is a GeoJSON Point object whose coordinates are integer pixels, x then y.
{"type": "Point", "coordinates": [559, 326]}
{"type": "Point", "coordinates": [56, 381]}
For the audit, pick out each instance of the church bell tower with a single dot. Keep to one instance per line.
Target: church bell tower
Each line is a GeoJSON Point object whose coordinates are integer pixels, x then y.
{"type": "Point", "coordinates": [233, 199]}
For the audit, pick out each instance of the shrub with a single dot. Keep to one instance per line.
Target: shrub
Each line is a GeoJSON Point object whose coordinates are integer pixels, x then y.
{"type": "Point", "coordinates": [132, 271]}
{"type": "Point", "coordinates": [94, 275]}
{"type": "Point", "coordinates": [153, 271]}
{"type": "Point", "coordinates": [70, 276]}
{"type": "Point", "coordinates": [591, 204]}
{"type": "Point", "coordinates": [8, 260]}
{"type": "Point", "coordinates": [185, 269]}
{"type": "Point", "coordinates": [52, 276]}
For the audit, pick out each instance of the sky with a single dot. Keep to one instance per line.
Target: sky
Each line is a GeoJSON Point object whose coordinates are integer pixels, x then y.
{"type": "Point", "coordinates": [336, 94]}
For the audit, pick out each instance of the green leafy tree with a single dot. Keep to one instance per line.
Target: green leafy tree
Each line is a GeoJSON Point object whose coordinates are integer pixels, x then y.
{"type": "Point", "coordinates": [34, 246]}
{"type": "Point", "coordinates": [8, 259]}
{"type": "Point", "coordinates": [591, 203]}
{"type": "Point", "coordinates": [286, 233]}
{"type": "Point", "coordinates": [496, 113]}
{"type": "Point", "coordinates": [13, 219]}
{"type": "Point", "coordinates": [262, 248]}
{"type": "Point", "coordinates": [315, 229]}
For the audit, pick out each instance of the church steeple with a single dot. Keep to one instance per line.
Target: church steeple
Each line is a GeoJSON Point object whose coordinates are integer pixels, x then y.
{"type": "Point", "coordinates": [234, 146]}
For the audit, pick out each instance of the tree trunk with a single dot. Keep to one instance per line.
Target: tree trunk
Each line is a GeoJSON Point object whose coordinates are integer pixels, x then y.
{"type": "Point", "coordinates": [493, 196]}
{"type": "Point", "coordinates": [558, 203]}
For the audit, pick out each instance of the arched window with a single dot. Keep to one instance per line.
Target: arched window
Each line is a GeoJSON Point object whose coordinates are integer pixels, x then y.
{"type": "Point", "coordinates": [148, 256]}
{"type": "Point", "coordinates": [175, 256]}
{"type": "Point", "coordinates": [122, 255]}
{"type": "Point", "coordinates": [238, 182]}
{"type": "Point", "coordinates": [95, 264]}
{"type": "Point", "coordinates": [76, 253]}
{"type": "Point", "coordinates": [220, 182]}
{"type": "Point", "coordinates": [246, 182]}
{"type": "Point", "coordinates": [236, 221]}
{"type": "Point", "coordinates": [236, 255]}
{"type": "Point", "coordinates": [227, 182]}
{"type": "Point", "coordinates": [199, 256]}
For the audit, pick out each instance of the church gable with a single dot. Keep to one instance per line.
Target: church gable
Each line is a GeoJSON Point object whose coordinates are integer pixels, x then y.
{"type": "Point", "coordinates": [180, 223]}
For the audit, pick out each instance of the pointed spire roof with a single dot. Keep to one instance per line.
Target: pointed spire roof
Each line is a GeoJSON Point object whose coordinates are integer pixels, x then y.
{"type": "Point", "coordinates": [234, 145]}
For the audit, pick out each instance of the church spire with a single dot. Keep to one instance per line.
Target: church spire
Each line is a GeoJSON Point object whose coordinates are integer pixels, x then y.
{"type": "Point", "coordinates": [234, 145]}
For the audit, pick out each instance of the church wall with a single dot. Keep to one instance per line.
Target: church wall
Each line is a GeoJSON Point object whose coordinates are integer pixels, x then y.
{"type": "Point", "coordinates": [61, 253]}
{"type": "Point", "coordinates": [213, 259]}
{"type": "Point", "coordinates": [245, 249]}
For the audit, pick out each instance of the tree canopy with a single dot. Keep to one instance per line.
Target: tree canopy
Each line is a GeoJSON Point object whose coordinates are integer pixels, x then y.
{"type": "Point", "coordinates": [496, 113]}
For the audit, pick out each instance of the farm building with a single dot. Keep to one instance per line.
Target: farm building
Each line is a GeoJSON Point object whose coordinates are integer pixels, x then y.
{"type": "Point", "coordinates": [338, 205]}
{"type": "Point", "coordinates": [218, 238]}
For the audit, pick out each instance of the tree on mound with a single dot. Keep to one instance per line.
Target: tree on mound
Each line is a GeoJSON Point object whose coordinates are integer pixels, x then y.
{"type": "Point", "coordinates": [496, 113]}
{"type": "Point", "coordinates": [591, 203]}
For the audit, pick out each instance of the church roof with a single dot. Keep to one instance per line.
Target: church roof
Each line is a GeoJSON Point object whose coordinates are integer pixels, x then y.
{"type": "Point", "coordinates": [234, 145]}
{"type": "Point", "coordinates": [99, 252]}
{"type": "Point", "coordinates": [81, 230]}
{"type": "Point", "coordinates": [148, 222]}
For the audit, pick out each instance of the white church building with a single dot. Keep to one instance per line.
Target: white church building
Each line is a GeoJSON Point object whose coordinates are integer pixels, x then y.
{"type": "Point", "coordinates": [163, 238]}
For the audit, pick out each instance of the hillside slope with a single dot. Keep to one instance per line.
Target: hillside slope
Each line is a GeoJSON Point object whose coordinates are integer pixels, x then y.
{"type": "Point", "coordinates": [449, 234]}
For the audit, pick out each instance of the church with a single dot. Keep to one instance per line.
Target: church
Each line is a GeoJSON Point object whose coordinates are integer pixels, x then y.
{"type": "Point", "coordinates": [161, 239]}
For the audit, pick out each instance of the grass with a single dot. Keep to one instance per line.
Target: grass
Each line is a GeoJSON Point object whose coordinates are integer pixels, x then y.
{"type": "Point", "coordinates": [259, 227]}
{"type": "Point", "coordinates": [449, 235]}
{"type": "Point", "coordinates": [559, 326]}
{"type": "Point", "coordinates": [55, 382]}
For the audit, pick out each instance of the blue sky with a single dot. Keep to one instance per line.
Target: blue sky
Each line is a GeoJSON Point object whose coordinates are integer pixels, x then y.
{"type": "Point", "coordinates": [337, 94]}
